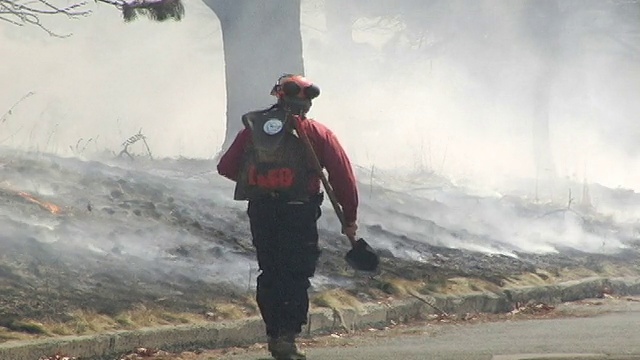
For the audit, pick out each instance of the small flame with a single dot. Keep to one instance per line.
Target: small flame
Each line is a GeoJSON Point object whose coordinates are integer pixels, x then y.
{"type": "Point", "coordinates": [52, 208]}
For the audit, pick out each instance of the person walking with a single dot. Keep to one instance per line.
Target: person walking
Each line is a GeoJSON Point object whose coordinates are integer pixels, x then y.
{"type": "Point", "coordinates": [273, 171]}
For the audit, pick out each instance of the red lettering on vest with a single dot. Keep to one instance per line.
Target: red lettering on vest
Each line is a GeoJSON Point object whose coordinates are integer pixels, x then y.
{"type": "Point", "coordinates": [285, 177]}
{"type": "Point", "coordinates": [280, 178]}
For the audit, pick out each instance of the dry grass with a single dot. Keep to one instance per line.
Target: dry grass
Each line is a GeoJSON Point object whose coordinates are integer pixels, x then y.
{"type": "Point", "coordinates": [229, 311]}
{"type": "Point", "coordinates": [86, 322]}
{"type": "Point", "coordinates": [467, 285]}
{"type": "Point", "coordinates": [541, 278]}
{"type": "Point", "coordinates": [145, 317]}
{"type": "Point", "coordinates": [604, 269]}
{"type": "Point", "coordinates": [401, 287]}
{"type": "Point", "coordinates": [232, 310]}
{"type": "Point", "coordinates": [6, 335]}
{"type": "Point", "coordinates": [336, 299]}
{"type": "Point", "coordinates": [383, 288]}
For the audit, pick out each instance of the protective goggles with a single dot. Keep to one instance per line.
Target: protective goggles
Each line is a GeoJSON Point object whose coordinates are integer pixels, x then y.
{"type": "Point", "coordinates": [289, 87]}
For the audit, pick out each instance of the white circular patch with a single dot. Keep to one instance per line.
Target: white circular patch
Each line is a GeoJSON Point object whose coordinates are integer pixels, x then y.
{"type": "Point", "coordinates": [272, 126]}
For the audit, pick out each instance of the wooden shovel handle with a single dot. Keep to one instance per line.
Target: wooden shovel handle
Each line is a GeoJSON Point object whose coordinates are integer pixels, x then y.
{"type": "Point", "coordinates": [318, 168]}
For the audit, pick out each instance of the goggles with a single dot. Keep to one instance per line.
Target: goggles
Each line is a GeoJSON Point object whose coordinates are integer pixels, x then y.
{"type": "Point", "coordinates": [292, 86]}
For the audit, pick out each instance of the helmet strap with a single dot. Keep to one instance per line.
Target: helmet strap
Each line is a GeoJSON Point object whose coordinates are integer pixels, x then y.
{"type": "Point", "coordinates": [295, 107]}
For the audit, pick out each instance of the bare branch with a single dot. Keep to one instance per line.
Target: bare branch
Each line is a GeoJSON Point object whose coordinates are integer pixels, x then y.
{"type": "Point", "coordinates": [48, 9]}
{"type": "Point", "coordinates": [9, 112]}
{"type": "Point", "coordinates": [29, 12]}
{"type": "Point", "coordinates": [132, 140]}
{"type": "Point", "coordinates": [20, 13]}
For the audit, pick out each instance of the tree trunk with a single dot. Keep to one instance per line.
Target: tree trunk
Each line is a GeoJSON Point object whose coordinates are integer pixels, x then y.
{"type": "Point", "coordinates": [262, 41]}
{"type": "Point", "coordinates": [543, 20]}
{"type": "Point", "coordinates": [545, 167]}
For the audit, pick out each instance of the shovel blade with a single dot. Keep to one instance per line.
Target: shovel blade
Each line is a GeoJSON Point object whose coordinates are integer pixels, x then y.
{"type": "Point", "coordinates": [362, 257]}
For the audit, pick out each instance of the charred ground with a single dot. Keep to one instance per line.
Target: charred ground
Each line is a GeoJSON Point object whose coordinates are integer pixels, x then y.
{"type": "Point", "coordinates": [141, 243]}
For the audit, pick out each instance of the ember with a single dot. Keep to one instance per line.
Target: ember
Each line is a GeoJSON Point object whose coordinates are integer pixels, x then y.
{"type": "Point", "coordinates": [52, 208]}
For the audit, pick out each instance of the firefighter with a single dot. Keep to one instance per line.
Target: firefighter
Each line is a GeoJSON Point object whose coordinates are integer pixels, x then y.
{"type": "Point", "coordinates": [273, 172]}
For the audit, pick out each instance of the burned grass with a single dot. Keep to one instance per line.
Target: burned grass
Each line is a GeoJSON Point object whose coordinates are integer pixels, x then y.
{"type": "Point", "coordinates": [77, 271]}
{"type": "Point", "coordinates": [42, 295]}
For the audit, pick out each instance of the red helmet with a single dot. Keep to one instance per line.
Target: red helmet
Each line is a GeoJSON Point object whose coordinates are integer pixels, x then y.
{"type": "Point", "coordinates": [294, 87]}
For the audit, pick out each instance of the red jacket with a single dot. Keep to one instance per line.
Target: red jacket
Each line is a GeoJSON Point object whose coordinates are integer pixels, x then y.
{"type": "Point", "coordinates": [330, 153]}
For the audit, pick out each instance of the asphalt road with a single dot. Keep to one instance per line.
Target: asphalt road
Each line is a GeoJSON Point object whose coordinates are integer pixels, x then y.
{"type": "Point", "coordinates": [597, 329]}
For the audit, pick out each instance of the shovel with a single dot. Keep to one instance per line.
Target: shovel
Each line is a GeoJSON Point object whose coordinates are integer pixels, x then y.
{"type": "Point", "coordinates": [361, 256]}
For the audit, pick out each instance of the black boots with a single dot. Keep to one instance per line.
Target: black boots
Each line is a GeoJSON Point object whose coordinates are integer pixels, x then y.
{"type": "Point", "coordinates": [285, 348]}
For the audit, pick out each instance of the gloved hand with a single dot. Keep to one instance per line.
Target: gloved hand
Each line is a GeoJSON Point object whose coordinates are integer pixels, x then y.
{"type": "Point", "coordinates": [350, 230]}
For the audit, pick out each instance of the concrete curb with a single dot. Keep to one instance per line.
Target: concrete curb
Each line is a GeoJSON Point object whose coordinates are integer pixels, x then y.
{"type": "Point", "coordinates": [108, 346]}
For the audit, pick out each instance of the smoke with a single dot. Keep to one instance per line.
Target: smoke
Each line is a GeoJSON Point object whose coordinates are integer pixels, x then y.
{"type": "Point", "coordinates": [455, 99]}
{"type": "Point", "coordinates": [461, 102]}
{"type": "Point", "coordinates": [110, 79]}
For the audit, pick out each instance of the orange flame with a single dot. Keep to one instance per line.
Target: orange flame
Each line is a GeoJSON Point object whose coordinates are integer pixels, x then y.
{"type": "Point", "coordinates": [52, 208]}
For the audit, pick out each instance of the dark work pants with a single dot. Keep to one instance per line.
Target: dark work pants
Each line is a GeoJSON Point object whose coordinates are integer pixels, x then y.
{"type": "Point", "coordinates": [286, 239]}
